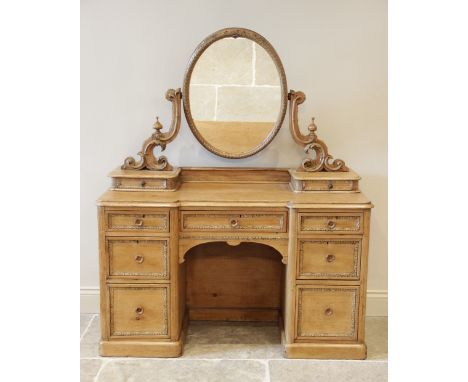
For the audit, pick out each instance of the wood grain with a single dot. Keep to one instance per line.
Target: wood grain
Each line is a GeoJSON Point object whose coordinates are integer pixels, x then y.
{"type": "Point", "coordinates": [139, 311]}
{"type": "Point", "coordinates": [138, 258]}
{"type": "Point", "coordinates": [329, 258]}
{"type": "Point", "coordinates": [233, 221]}
{"type": "Point", "coordinates": [247, 276]}
{"type": "Point", "coordinates": [327, 312]}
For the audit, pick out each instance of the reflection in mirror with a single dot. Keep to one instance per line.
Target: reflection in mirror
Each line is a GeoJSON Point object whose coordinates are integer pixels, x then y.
{"type": "Point", "coordinates": [235, 95]}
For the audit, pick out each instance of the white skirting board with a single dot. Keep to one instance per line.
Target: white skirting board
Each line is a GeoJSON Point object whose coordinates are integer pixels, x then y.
{"type": "Point", "coordinates": [377, 302]}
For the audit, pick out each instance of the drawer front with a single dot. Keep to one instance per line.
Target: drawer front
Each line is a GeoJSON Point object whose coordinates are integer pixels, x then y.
{"type": "Point", "coordinates": [138, 258]}
{"type": "Point", "coordinates": [340, 223]}
{"type": "Point", "coordinates": [139, 311]}
{"type": "Point", "coordinates": [329, 259]}
{"type": "Point", "coordinates": [329, 185]}
{"type": "Point", "coordinates": [138, 221]}
{"type": "Point", "coordinates": [327, 312]}
{"type": "Point", "coordinates": [140, 184]}
{"type": "Point", "coordinates": [232, 221]}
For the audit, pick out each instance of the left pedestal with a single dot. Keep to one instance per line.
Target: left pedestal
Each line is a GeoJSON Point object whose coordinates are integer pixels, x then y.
{"type": "Point", "coordinates": [141, 313]}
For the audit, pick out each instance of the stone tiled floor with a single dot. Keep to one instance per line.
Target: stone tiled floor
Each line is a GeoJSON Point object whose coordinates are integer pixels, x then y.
{"type": "Point", "coordinates": [240, 352]}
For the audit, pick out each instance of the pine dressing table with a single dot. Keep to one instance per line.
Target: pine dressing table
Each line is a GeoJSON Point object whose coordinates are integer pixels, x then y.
{"type": "Point", "coordinates": [239, 244]}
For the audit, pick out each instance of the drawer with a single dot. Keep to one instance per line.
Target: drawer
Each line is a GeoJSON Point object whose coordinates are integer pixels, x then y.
{"type": "Point", "coordinates": [340, 223]}
{"type": "Point", "coordinates": [233, 221]}
{"type": "Point", "coordinates": [327, 312]}
{"type": "Point", "coordinates": [329, 185]}
{"type": "Point", "coordinates": [138, 221]}
{"type": "Point", "coordinates": [139, 311]}
{"type": "Point", "coordinates": [329, 259]}
{"type": "Point", "coordinates": [138, 258]}
{"type": "Point", "coordinates": [140, 184]}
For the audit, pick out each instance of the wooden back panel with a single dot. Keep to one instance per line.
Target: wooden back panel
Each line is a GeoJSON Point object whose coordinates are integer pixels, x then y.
{"type": "Point", "coordinates": [234, 283]}
{"type": "Point", "coordinates": [235, 175]}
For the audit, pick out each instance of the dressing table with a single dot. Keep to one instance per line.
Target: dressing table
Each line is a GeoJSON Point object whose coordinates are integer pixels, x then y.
{"type": "Point", "coordinates": [238, 244]}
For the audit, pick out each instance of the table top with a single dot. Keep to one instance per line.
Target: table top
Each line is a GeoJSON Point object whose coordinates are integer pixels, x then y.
{"type": "Point", "coordinates": [225, 194]}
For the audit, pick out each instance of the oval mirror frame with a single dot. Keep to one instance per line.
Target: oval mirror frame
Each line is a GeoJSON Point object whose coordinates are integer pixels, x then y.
{"type": "Point", "coordinates": [260, 40]}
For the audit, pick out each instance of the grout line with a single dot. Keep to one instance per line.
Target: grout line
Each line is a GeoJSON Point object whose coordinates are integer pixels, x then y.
{"type": "Point", "coordinates": [103, 363]}
{"type": "Point", "coordinates": [216, 103]}
{"type": "Point", "coordinates": [87, 326]}
{"type": "Point", "coordinates": [254, 60]}
{"type": "Point", "coordinates": [262, 360]}
{"type": "Point", "coordinates": [267, 370]}
{"type": "Point", "coordinates": [239, 86]}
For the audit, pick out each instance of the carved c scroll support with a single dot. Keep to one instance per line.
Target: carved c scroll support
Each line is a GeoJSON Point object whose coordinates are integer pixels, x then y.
{"type": "Point", "coordinates": [322, 160]}
{"type": "Point", "coordinates": [148, 161]}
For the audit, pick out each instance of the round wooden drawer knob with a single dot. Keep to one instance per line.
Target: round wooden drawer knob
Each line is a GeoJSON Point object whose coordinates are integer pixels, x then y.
{"type": "Point", "coordinates": [139, 259]}
{"type": "Point", "coordinates": [139, 222]}
{"type": "Point", "coordinates": [330, 185]}
{"type": "Point", "coordinates": [234, 223]}
{"type": "Point", "coordinates": [331, 258]}
{"type": "Point", "coordinates": [331, 224]}
{"type": "Point", "coordinates": [139, 312]}
{"type": "Point", "coordinates": [328, 312]}
{"type": "Point", "coordinates": [143, 183]}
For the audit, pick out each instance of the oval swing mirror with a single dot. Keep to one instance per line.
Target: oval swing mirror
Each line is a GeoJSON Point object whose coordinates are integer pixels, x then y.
{"type": "Point", "coordinates": [235, 93]}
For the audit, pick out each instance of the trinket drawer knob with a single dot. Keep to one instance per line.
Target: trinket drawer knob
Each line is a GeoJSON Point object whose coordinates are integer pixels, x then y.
{"type": "Point", "coordinates": [139, 222]}
{"type": "Point", "coordinates": [234, 223]}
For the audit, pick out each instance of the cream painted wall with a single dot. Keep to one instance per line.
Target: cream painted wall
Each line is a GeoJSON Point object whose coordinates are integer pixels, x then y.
{"type": "Point", "coordinates": [333, 50]}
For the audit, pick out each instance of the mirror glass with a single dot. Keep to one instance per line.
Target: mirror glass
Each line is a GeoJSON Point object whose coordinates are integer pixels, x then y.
{"type": "Point", "coordinates": [235, 97]}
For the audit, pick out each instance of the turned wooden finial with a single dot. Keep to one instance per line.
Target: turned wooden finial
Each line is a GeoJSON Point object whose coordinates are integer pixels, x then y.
{"type": "Point", "coordinates": [322, 160]}
{"type": "Point", "coordinates": [158, 139]}
{"type": "Point", "coordinates": [157, 125]}
{"type": "Point", "coordinates": [312, 129]}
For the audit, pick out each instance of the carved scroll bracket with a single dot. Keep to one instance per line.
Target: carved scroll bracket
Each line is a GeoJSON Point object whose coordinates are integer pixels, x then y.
{"type": "Point", "coordinates": [148, 161]}
{"type": "Point", "coordinates": [322, 160]}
